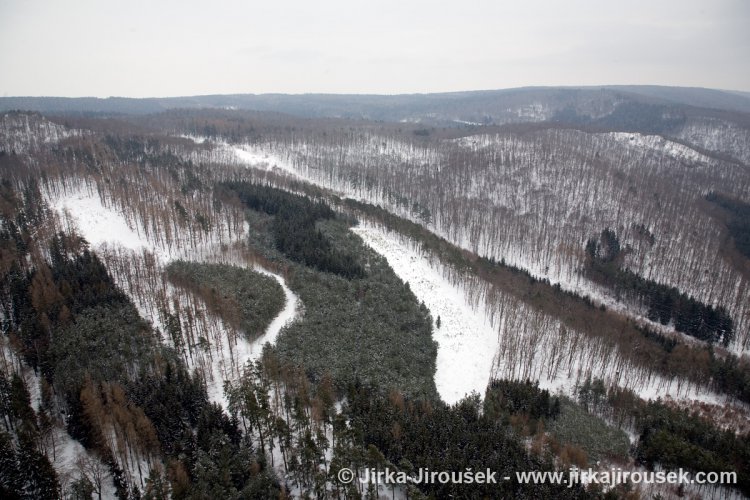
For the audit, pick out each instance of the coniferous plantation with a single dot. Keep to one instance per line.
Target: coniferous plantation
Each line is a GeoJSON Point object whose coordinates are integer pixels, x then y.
{"type": "Point", "coordinates": [243, 298]}
{"type": "Point", "coordinates": [208, 302]}
{"type": "Point", "coordinates": [350, 301]}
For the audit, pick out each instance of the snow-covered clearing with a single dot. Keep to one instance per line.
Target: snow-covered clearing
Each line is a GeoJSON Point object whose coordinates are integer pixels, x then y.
{"type": "Point", "coordinates": [251, 155]}
{"type": "Point", "coordinates": [97, 223]}
{"type": "Point", "coordinates": [466, 341]}
{"type": "Point", "coordinates": [258, 158]}
{"type": "Point", "coordinates": [658, 144]}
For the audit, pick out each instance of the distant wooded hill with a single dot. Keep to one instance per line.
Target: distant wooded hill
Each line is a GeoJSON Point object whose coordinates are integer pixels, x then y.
{"type": "Point", "coordinates": [595, 105]}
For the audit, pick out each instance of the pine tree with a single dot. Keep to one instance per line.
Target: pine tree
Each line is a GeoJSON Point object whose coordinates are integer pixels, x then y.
{"type": "Point", "coordinates": [82, 489]}
{"type": "Point", "coordinates": [39, 477]}
{"type": "Point", "coordinates": [10, 475]}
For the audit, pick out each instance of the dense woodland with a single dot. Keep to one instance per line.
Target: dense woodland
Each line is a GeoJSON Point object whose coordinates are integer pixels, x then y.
{"type": "Point", "coordinates": [531, 196]}
{"type": "Point", "coordinates": [129, 370]}
{"type": "Point", "coordinates": [294, 228]}
{"type": "Point", "coordinates": [351, 297]}
{"type": "Point", "coordinates": [245, 299]}
{"type": "Point", "coordinates": [739, 221]}
{"type": "Point", "coordinates": [670, 436]}
{"type": "Point", "coordinates": [664, 304]}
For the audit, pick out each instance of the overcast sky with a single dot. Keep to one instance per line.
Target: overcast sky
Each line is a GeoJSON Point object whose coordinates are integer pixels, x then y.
{"type": "Point", "coordinates": [169, 48]}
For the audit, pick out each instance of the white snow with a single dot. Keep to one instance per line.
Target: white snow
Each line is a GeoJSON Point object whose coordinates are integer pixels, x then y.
{"type": "Point", "coordinates": [286, 316]}
{"type": "Point", "coordinates": [466, 341]}
{"type": "Point", "coordinates": [258, 158]}
{"type": "Point", "coordinates": [658, 143]}
{"type": "Point", "coordinates": [67, 454]}
{"type": "Point", "coordinates": [464, 122]}
{"type": "Point", "coordinates": [97, 223]}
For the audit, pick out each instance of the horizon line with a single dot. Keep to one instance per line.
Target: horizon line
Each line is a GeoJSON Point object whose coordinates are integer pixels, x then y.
{"type": "Point", "coordinates": [374, 94]}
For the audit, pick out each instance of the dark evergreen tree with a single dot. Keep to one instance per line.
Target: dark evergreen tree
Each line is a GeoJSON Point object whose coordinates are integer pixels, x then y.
{"type": "Point", "coordinates": [39, 477]}
{"type": "Point", "coordinates": [11, 478]}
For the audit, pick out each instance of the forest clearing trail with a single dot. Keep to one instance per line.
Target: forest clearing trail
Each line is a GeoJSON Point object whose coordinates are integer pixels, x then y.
{"type": "Point", "coordinates": [467, 343]}
{"type": "Point", "coordinates": [224, 367]}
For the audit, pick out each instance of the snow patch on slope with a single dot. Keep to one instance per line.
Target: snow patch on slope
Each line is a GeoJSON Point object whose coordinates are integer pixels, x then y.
{"type": "Point", "coordinates": [105, 224]}
{"type": "Point", "coordinates": [265, 160]}
{"type": "Point", "coordinates": [97, 223]}
{"type": "Point", "coordinates": [22, 132]}
{"type": "Point", "coordinates": [467, 342]}
{"type": "Point", "coordinates": [659, 144]}
{"type": "Point", "coordinates": [256, 157]}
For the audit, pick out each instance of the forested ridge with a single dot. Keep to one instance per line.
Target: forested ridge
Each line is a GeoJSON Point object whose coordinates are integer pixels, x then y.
{"type": "Point", "coordinates": [669, 436]}
{"type": "Point", "coordinates": [126, 384]}
{"type": "Point", "coordinates": [665, 304]}
{"type": "Point", "coordinates": [533, 194]}
{"type": "Point", "coordinates": [351, 297]}
{"type": "Point", "coordinates": [294, 228]}
{"type": "Point", "coordinates": [103, 365]}
{"type": "Point", "coordinates": [729, 373]}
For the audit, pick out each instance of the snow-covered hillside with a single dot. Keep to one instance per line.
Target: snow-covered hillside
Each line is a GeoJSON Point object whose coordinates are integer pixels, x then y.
{"type": "Point", "coordinates": [533, 199]}
{"type": "Point", "coordinates": [504, 338]}
{"type": "Point", "coordinates": [98, 224]}
{"type": "Point", "coordinates": [656, 143]}
{"type": "Point", "coordinates": [23, 133]}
